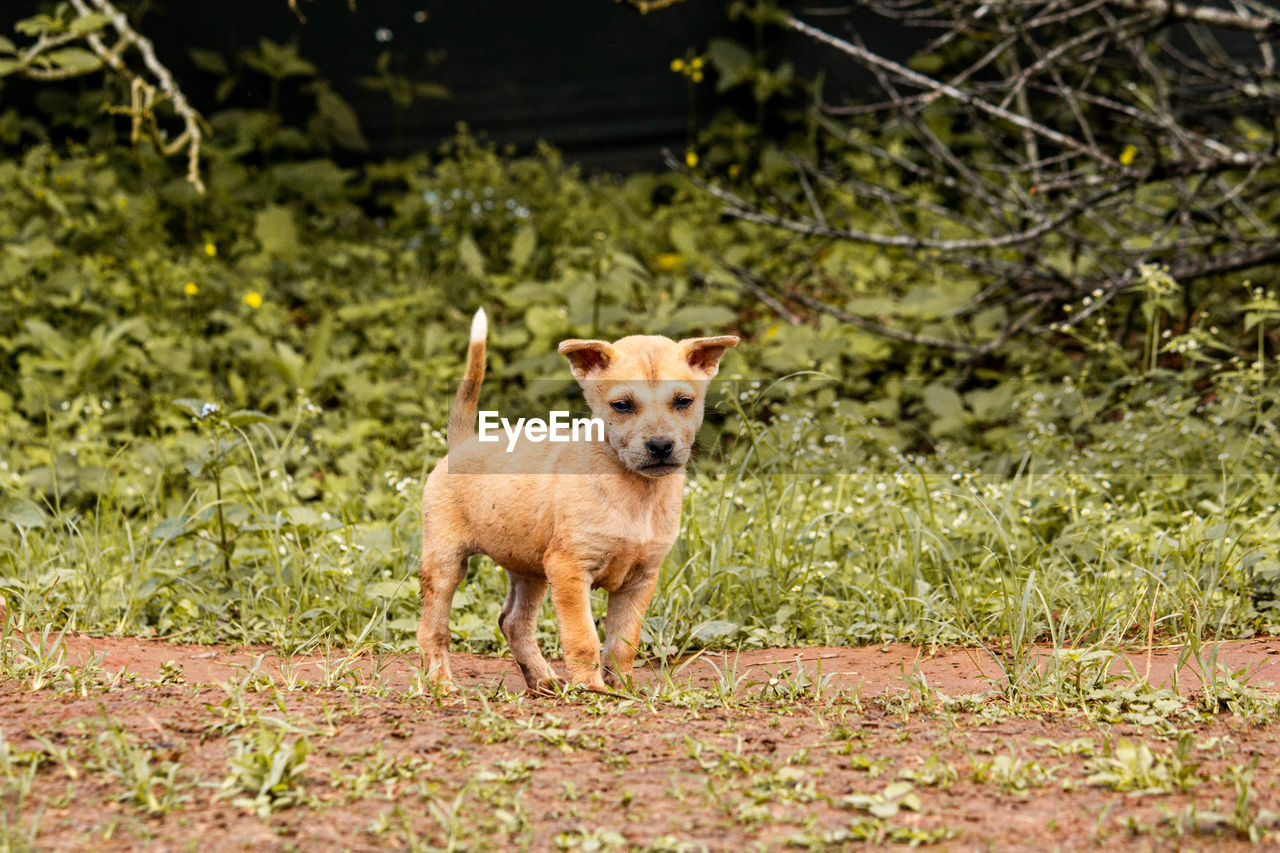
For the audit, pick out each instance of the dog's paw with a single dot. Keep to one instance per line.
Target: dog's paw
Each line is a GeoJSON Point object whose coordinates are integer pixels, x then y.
{"type": "Point", "coordinates": [601, 690]}
{"type": "Point", "coordinates": [439, 679]}
{"type": "Point", "coordinates": [623, 680]}
{"type": "Point", "coordinates": [549, 687]}
{"type": "Point", "coordinates": [440, 687]}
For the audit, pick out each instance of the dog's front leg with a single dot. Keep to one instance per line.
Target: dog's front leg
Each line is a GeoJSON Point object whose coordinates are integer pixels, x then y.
{"type": "Point", "coordinates": [570, 583]}
{"type": "Point", "coordinates": [622, 622]}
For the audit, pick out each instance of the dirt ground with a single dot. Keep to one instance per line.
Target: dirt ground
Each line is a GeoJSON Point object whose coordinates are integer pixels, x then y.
{"type": "Point", "coordinates": [817, 748]}
{"type": "Point", "coordinates": [871, 669]}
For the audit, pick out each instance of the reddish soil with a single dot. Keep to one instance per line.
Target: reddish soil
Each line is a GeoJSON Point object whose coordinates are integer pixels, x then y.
{"type": "Point", "coordinates": [481, 769]}
{"type": "Point", "coordinates": [871, 670]}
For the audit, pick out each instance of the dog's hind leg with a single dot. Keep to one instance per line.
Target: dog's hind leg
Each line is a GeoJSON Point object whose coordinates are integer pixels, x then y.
{"type": "Point", "coordinates": [519, 622]}
{"type": "Point", "coordinates": [442, 570]}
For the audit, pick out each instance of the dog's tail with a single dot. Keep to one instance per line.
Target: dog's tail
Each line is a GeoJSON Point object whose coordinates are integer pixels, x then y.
{"type": "Point", "coordinates": [462, 418]}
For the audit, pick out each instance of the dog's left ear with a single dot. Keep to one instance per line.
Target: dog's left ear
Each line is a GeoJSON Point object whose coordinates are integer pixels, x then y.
{"type": "Point", "coordinates": [586, 357]}
{"type": "Point", "coordinates": [703, 354]}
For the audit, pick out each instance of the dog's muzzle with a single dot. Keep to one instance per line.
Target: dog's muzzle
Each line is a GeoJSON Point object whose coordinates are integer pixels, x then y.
{"type": "Point", "coordinates": [659, 449]}
{"type": "Point", "coordinates": [660, 458]}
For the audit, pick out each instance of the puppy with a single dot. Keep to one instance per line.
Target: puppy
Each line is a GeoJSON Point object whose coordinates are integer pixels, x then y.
{"type": "Point", "coordinates": [572, 516]}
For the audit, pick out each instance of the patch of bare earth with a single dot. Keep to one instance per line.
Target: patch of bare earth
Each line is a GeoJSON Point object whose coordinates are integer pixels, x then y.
{"type": "Point", "coordinates": [760, 750]}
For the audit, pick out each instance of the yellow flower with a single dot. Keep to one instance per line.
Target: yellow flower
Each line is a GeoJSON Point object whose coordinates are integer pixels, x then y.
{"type": "Point", "coordinates": [691, 158]}
{"type": "Point", "coordinates": [1127, 155]}
{"type": "Point", "coordinates": [191, 289]}
{"type": "Point", "coordinates": [668, 261]}
{"type": "Point", "coordinates": [210, 249]}
{"type": "Point", "coordinates": [677, 65]}
{"type": "Point", "coordinates": [696, 76]}
{"type": "Point", "coordinates": [696, 63]}
{"type": "Point", "coordinates": [253, 299]}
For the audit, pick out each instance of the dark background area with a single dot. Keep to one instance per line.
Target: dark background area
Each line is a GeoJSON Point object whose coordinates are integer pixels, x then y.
{"type": "Point", "coordinates": [592, 77]}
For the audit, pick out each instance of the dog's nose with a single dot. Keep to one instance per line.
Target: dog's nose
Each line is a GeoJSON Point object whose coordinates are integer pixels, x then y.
{"type": "Point", "coordinates": [659, 448]}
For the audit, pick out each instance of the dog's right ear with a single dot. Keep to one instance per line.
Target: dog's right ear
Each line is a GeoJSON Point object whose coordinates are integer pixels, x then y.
{"type": "Point", "coordinates": [586, 358]}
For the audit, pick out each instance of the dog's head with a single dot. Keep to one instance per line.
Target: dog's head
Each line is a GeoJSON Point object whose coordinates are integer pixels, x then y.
{"type": "Point", "coordinates": [649, 391]}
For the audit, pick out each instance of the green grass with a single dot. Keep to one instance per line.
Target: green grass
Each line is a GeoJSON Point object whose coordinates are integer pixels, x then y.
{"type": "Point", "coordinates": [802, 530]}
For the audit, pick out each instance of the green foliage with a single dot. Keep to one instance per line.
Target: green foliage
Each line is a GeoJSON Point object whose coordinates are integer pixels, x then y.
{"type": "Point", "coordinates": [399, 88]}
{"type": "Point", "coordinates": [1134, 768]}
{"type": "Point", "coordinates": [266, 772]}
{"type": "Point", "coordinates": [895, 797]}
{"type": "Point", "coordinates": [215, 412]}
{"type": "Point", "coordinates": [1010, 773]}
{"type": "Point", "coordinates": [146, 781]}
{"type": "Point", "coordinates": [59, 28]}
{"type": "Point", "coordinates": [332, 124]}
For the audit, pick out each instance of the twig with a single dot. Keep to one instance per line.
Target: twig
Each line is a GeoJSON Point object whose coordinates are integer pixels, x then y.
{"type": "Point", "coordinates": [748, 283]}
{"type": "Point", "coordinates": [939, 88]}
{"type": "Point", "coordinates": [742, 209]}
{"type": "Point", "coordinates": [1201, 13]}
{"type": "Point", "coordinates": [144, 95]}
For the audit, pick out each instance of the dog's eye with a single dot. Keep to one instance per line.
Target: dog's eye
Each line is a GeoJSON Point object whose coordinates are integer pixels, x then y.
{"type": "Point", "coordinates": [622, 407]}
{"type": "Point", "coordinates": [682, 402]}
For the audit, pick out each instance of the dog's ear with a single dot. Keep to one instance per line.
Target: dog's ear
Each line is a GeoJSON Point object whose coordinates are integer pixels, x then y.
{"type": "Point", "coordinates": [703, 354]}
{"type": "Point", "coordinates": [586, 358]}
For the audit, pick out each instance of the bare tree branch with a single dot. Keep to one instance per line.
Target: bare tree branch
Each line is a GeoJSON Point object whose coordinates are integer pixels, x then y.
{"type": "Point", "coordinates": [148, 89]}
{"type": "Point", "coordinates": [192, 132]}
{"type": "Point", "coordinates": [1061, 146]}
{"type": "Point", "coordinates": [939, 88]}
{"type": "Point", "coordinates": [742, 209]}
{"type": "Point", "coordinates": [1201, 13]}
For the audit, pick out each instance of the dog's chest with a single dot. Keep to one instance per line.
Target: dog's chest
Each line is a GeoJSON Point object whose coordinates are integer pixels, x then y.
{"type": "Point", "coordinates": [630, 545]}
{"type": "Point", "coordinates": [612, 568]}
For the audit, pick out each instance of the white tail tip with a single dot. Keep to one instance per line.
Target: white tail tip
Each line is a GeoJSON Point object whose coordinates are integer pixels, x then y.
{"type": "Point", "coordinates": [479, 327]}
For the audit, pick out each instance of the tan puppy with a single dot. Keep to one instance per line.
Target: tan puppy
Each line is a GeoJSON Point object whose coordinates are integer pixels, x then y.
{"type": "Point", "coordinates": [576, 515]}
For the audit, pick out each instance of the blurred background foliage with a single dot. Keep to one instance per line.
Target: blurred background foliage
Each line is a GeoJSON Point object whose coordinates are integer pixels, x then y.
{"type": "Point", "coordinates": [308, 311]}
